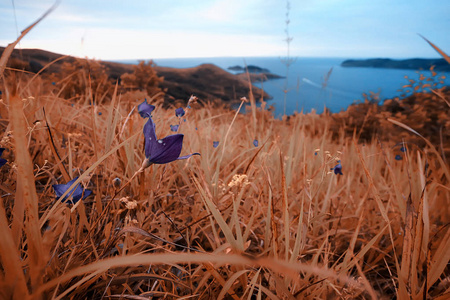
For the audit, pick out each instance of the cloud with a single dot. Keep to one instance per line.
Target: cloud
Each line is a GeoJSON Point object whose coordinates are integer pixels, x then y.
{"type": "Point", "coordinates": [124, 44]}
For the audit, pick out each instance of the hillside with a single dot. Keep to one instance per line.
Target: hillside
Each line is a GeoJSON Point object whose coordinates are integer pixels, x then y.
{"type": "Point", "coordinates": [208, 82]}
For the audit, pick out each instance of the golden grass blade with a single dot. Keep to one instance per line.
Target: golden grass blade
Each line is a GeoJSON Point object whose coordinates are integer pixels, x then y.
{"type": "Point", "coordinates": [55, 153]}
{"type": "Point", "coordinates": [349, 254]}
{"type": "Point", "coordinates": [216, 174]}
{"type": "Point", "coordinates": [440, 260]}
{"type": "Point", "coordinates": [267, 292]}
{"type": "Point", "coordinates": [252, 99]}
{"type": "Point", "coordinates": [300, 237]}
{"type": "Point", "coordinates": [366, 283]}
{"type": "Point", "coordinates": [43, 69]}
{"type": "Point", "coordinates": [281, 286]}
{"type": "Point", "coordinates": [366, 248]}
{"type": "Point", "coordinates": [286, 225]}
{"type": "Point", "coordinates": [371, 184]}
{"type": "Point", "coordinates": [441, 161]}
{"type": "Point", "coordinates": [227, 287]}
{"type": "Point", "coordinates": [110, 122]}
{"type": "Point", "coordinates": [440, 95]}
{"type": "Point", "coordinates": [287, 269]}
{"type": "Point", "coordinates": [86, 173]}
{"type": "Point", "coordinates": [252, 284]}
{"type": "Point", "coordinates": [36, 254]}
{"type": "Point", "coordinates": [77, 285]}
{"type": "Point", "coordinates": [220, 279]}
{"type": "Point", "coordinates": [15, 283]}
{"type": "Point", "coordinates": [19, 213]}
{"type": "Point", "coordinates": [408, 241]}
{"type": "Point", "coordinates": [217, 215]}
{"type": "Point", "coordinates": [442, 53]}
{"type": "Point", "coordinates": [8, 50]}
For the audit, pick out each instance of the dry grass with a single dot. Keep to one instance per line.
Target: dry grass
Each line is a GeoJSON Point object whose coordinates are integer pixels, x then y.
{"type": "Point", "coordinates": [237, 222]}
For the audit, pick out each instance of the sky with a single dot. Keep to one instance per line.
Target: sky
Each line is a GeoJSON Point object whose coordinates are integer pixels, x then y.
{"type": "Point", "coordinates": [146, 29]}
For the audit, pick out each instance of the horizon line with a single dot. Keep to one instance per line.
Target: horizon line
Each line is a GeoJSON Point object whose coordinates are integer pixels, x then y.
{"type": "Point", "coordinates": [233, 56]}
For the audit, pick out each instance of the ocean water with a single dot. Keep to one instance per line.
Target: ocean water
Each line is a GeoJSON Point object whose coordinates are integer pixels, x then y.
{"type": "Point", "coordinates": [306, 81]}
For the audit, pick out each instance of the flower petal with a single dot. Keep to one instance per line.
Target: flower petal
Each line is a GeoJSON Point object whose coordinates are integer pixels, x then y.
{"type": "Point", "coordinates": [75, 193]}
{"type": "Point", "coordinates": [149, 136]}
{"type": "Point", "coordinates": [179, 112]}
{"type": "Point", "coordinates": [2, 160]}
{"type": "Point", "coordinates": [337, 169]}
{"type": "Point", "coordinates": [187, 156]}
{"type": "Point", "coordinates": [79, 192]}
{"type": "Point", "coordinates": [165, 150]}
{"type": "Point", "coordinates": [145, 109]}
{"type": "Point", "coordinates": [174, 128]}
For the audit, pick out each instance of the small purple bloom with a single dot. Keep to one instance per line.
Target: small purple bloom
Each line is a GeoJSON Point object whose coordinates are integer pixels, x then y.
{"type": "Point", "coordinates": [76, 193]}
{"type": "Point", "coordinates": [145, 109]}
{"type": "Point", "coordinates": [403, 149]}
{"type": "Point", "coordinates": [2, 160]}
{"type": "Point", "coordinates": [100, 113]}
{"type": "Point", "coordinates": [162, 151]}
{"type": "Point", "coordinates": [398, 157]}
{"type": "Point", "coordinates": [338, 168]}
{"type": "Point", "coordinates": [215, 144]}
{"type": "Point", "coordinates": [179, 112]}
{"type": "Point", "coordinates": [117, 182]}
{"type": "Point", "coordinates": [174, 128]}
{"type": "Point", "coordinates": [255, 143]}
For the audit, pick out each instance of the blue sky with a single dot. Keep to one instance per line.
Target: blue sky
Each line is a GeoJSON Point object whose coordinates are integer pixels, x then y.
{"type": "Point", "coordinates": [108, 29]}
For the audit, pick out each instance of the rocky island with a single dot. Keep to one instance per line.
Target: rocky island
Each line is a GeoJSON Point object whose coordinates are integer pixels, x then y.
{"type": "Point", "coordinates": [409, 64]}
{"type": "Point", "coordinates": [256, 73]}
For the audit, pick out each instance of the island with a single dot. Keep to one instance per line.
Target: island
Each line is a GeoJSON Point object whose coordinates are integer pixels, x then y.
{"type": "Point", "coordinates": [440, 65]}
{"type": "Point", "coordinates": [255, 73]}
{"type": "Point", "coordinates": [250, 68]}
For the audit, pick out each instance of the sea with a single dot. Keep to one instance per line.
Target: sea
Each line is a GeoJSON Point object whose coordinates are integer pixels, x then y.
{"type": "Point", "coordinates": [314, 83]}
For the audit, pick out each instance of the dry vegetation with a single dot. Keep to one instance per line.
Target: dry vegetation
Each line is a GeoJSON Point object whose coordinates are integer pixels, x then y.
{"type": "Point", "coordinates": [237, 222]}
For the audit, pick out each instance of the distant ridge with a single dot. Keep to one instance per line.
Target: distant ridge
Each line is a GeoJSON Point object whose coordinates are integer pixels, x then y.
{"type": "Point", "coordinates": [207, 81]}
{"type": "Point", "coordinates": [408, 64]}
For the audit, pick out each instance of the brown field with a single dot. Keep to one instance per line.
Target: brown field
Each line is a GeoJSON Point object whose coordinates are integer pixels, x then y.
{"type": "Point", "coordinates": [238, 221]}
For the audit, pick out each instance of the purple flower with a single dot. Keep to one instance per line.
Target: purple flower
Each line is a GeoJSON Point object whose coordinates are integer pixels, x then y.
{"type": "Point", "coordinates": [174, 128]}
{"type": "Point", "coordinates": [398, 157]}
{"type": "Point", "coordinates": [179, 112]}
{"type": "Point", "coordinates": [403, 149]}
{"type": "Point", "coordinates": [76, 193]}
{"type": "Point", "coordinates": [145, 109]}
{"type": "Point", "coordinates": [338, 168]}
{"type": "Point", "coordinates": [165, 150]}
{"type": "Point", "coordinates": [117, 182]}
{"type": "Point", "coordinates": [215, 144]}
{"type": "Point", "coordinates": [2, 160]}
{"type": "Point", "coordinates": [255, 143]}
